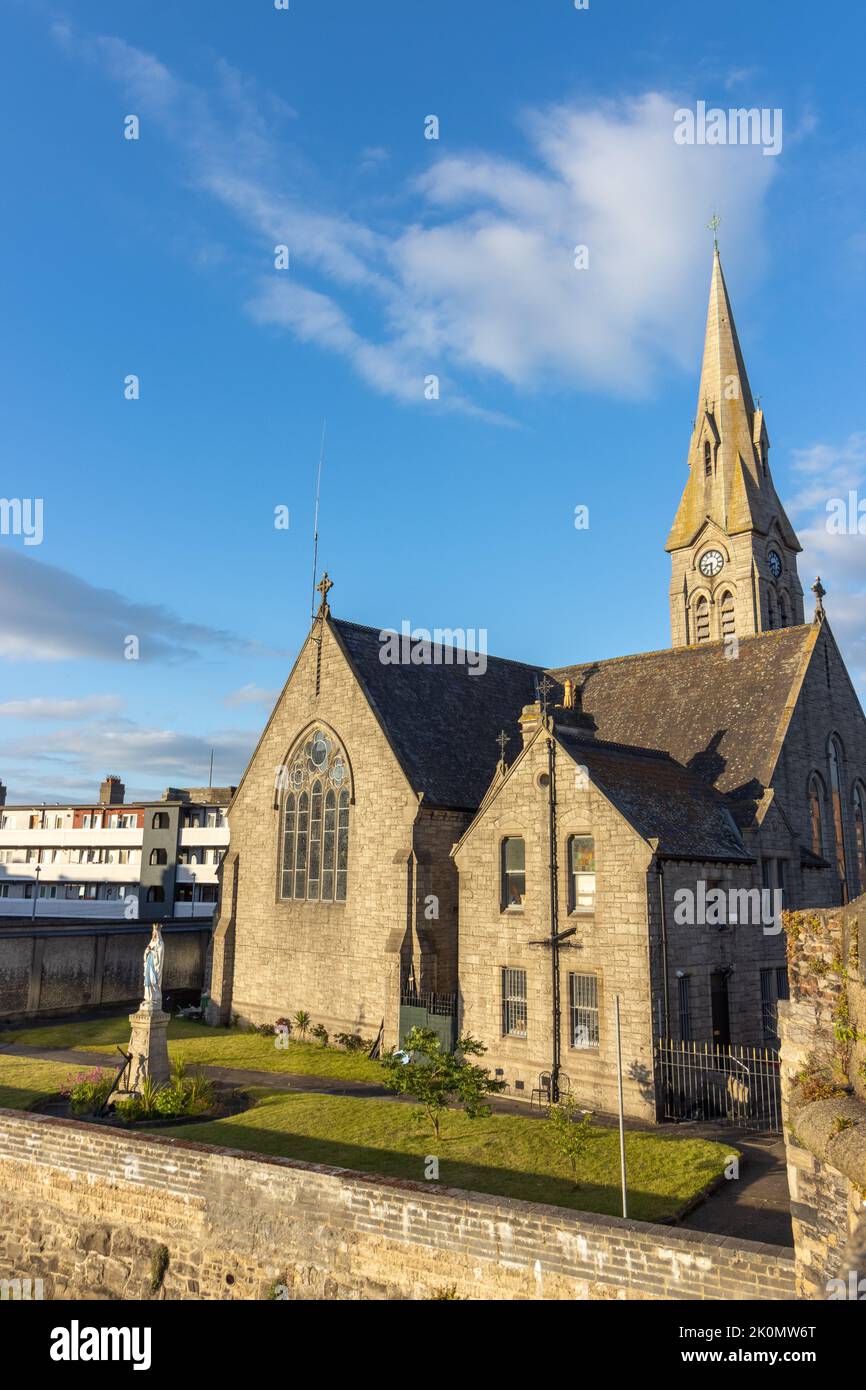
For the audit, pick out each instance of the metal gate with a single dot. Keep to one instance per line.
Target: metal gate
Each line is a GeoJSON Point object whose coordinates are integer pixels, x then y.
{"type": "Point", "coordinates": [725, 1085]}
{"type": "Point", "coordinates": [428, 1010]}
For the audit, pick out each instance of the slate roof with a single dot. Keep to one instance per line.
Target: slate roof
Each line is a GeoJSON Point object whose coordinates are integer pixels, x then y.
{"type": "Point", "coordinates": [685, 739]}
{"type": "Point", "coordinates": [442, 722]}
{"type": "Point", "coordinates": [720, 718]}
{"type": "Point", "coordinates": [661, 800]}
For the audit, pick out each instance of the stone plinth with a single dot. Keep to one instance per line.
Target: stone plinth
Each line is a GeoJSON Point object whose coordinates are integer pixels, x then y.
{"type": "Point", "coordinates": [149, 1047]}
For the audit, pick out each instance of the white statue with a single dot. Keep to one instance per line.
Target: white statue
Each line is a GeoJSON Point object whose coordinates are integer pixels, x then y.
{"type": "Point", "coordinates": [154, 956]}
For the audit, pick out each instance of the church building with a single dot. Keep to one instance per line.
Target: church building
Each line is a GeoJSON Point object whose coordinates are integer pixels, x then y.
{"type": "Point", "coordinates": [506, 852]}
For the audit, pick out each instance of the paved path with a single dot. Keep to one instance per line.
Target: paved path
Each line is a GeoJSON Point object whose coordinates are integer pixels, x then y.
{"type": "Point", "coordinates": [754, 1206]}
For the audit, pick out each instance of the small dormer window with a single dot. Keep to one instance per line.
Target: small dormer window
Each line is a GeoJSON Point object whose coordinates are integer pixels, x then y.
{"type": "Point", "coordinates": [708, 459]}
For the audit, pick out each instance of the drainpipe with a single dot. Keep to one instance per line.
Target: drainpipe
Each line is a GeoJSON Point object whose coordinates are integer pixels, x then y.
{"type": "Point", "coordinates": [660, 872]}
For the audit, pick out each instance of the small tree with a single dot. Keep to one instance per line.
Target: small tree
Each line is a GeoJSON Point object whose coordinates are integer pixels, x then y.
{"type": "Point", "coordinates": [570, 1135]}
{"type": "Point", "coordinates": [437, 1079]}
{"type": "Point", "coordinates": [302, 1022]}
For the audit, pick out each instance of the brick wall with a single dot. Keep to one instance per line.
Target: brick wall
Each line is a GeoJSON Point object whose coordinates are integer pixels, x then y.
{"type": "Point", "coordinates": [87, 1208]}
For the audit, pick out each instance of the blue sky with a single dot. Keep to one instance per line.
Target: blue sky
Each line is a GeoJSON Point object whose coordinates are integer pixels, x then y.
{"type": "Point", "coordinates": [408, 257]}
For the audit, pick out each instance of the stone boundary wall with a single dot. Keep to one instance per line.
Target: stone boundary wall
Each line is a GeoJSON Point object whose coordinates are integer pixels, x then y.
{"type": "Point", "coordinates": [88, 1209]}
{"type": "Point", "coordinates": [823, 1065]}
{"type": "Point", "coordinates": [51, 970]}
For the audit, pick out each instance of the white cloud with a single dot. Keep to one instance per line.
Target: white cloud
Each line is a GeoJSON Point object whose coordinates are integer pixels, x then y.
{"type": "Point", "coordinates": [479, 284]}
{"type": "Point", "coordinates": [44, 707]}
{"type": "Point", "coordinates": [49, 614]}
{"type": "Point", "coordinates": [250, 695]}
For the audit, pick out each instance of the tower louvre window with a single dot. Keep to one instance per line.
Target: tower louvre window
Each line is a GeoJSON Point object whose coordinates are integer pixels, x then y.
{"type": "Point", "coordinates": [708, 459]}
{"type": "Point", "coordinates": [729, 617]}
{"type": "Point", "coordinates": [702, 621]}
{"type": "Point", "coordinates": [771, 609]}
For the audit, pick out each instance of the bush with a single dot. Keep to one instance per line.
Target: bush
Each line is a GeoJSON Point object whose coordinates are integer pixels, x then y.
{"type": "Point", "coordinates": [302, 1022]}
{"type": "Point", "coordinates": [320, 1032]}
{"type": "Point", "coordinates": [352, 1042]}
{"type": "Point", "coordinates": [87, 1091]}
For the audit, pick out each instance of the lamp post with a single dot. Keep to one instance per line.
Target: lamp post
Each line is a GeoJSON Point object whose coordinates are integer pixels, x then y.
{"type": "Point", "coordinates": [36, 891]}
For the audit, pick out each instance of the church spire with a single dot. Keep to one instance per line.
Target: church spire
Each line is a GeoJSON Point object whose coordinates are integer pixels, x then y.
{"type": "Point", "coordinates": [729, 507]}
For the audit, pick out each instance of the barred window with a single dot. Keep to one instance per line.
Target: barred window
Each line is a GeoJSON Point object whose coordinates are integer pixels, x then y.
{"type": "Point", "coordinates": [581, 873]}
{"type": "Point", "coordinates": [315, 823]}
{"type": "Point", "coordinates": [513, 871]}
{"type": "Point", "coordinates": [774, 987]}
{"type": "Point", "coordinates": [684, 996]}
{"type": "Point", "coordinates": [513, 1002]}
{"type": "Point", "coordinates": [583, 1010]}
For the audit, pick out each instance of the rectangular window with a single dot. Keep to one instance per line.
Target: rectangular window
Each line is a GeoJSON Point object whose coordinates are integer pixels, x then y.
{"type": "Point", "coordinates": [513, 1002]}
{"type": "Point", "coordinates": [685, 1008]}
{"type": "Point", "coordinates": [183, 893]}
{"type": "Point", "coordinates": [583, 1009]}
{"type": "Point", "coordinates": [513, 872]}
{"type": "Point", "coordinates": [581, 873]}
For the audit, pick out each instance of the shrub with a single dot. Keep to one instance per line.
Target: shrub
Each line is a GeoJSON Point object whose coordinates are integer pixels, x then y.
{"type": "Point", "coordinates": [171, 1100]}
{"type": "Point", "coordinates": [87, 1091]}
{"type": "Point", "coordinates": [200, 1093]}
{"type": "Point", "coordinates": [570, 1135]}
{"type": "Point", "coordinates": [320, 1032]}
{"type": "Point", "coordinates": [352, 1042]}
{"type": "Point", "coordinates": [302, 1022]}
{"type": "Point", "coordinates": [282, 1025]}
{"type": "Point", "coordinates": [438, 1079]}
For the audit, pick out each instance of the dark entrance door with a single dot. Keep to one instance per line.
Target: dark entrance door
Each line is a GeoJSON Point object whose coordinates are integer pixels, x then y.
{"type": "Point", "coordinates": [721, 1012]}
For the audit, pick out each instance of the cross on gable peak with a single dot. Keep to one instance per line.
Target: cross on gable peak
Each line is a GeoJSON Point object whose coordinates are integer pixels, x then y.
{"type": "Point", "coordinates": [324, 587]}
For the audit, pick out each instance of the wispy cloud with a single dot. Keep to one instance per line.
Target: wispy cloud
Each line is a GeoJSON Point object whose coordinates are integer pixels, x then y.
{"type": "Point", "coordinates": [478, 284]}
{"type": "Point", "coordinates": [49, 614]}
{"type": "Point", "coordinates": [250, 695]}
{"type": "Point", "coordinates": [45, 707]}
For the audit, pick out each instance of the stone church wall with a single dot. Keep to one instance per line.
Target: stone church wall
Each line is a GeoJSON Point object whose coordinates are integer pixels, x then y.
{"type": "Point", "coordinates": [611, 943]}
{"type": "Point", "coordinates": [89, 1211]}
{"type": "Point", "coordinates": [824, 1097]}
{"type": "Point", "coordinates": [339, 961]}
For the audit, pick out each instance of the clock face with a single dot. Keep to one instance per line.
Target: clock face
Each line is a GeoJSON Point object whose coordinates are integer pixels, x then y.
{"type": "Point", "coordinates": [775, 562]}
{"type": "Point", "coordinates": [711, 563]}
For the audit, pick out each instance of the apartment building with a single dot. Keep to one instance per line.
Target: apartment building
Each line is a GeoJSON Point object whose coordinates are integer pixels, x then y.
{"type": "Point", "coordinates": [111, 858]}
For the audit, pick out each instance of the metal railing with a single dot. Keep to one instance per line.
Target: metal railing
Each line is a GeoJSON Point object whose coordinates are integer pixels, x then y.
{"type": "Point", "coordinates": [443, 1004]}
{"type": "Point", "coordinates": [733, 1085]}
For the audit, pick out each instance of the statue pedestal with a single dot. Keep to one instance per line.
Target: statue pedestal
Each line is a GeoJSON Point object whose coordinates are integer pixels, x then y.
{"type": "Point", "coordinates": [149, 1047]}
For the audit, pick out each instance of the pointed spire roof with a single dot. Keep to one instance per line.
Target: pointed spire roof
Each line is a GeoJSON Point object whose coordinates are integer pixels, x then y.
{"type": "Point", "coordinates": [738, 493]}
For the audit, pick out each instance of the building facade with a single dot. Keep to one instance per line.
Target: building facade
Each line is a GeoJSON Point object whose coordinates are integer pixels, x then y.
{"type": "Point", "coordinates": [515, 847]}
{"type": "Point", "coordinates": [148, 860]}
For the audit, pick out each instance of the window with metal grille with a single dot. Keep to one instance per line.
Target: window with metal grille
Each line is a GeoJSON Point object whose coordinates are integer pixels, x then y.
{"type": "Point", "coordinates": [513, 1002]}
{"type": "Point", "coordinates": [774, 987]}
{"type": "Point", "coordinates": [685, 1008]}
{"type": "Point", "coordinates": [583, 1010]}
{"type": "Point", "coordinates": [702, 621]}
{"type": "Point", "coordinates": [581, 873]}
{"type": "Point", "coordinates": [513, 871]}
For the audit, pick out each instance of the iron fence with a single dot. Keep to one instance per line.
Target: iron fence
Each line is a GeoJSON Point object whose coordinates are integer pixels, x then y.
{"type": "Point", "coordinates": [728, 1085]}
{"type": "Point", "coordinates": [443, 1004]}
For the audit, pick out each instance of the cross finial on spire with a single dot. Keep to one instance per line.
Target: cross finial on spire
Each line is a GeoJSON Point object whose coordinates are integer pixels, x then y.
{"type": "Point", "coordinates": [819, 591]}
{"type": "Point", "coordinates": [502, 740]}
{"type": "Point", "coordinates": [713, 225]}
{"type": "Point", "coordinates": [324, 587]}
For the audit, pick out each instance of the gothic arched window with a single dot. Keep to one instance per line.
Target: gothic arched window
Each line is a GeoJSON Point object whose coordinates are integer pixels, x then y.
{"type": "Point", "coordinates": [728, 618]}
{"type": "Point", "coordinates": [771, 608]}
{"type": "Point", "coordinates": [315, 822]}
{"type": "Point", "coordinates": [834, 757]}
{"type": "Point", "coordinates": [860, 834]}
{"type": "Point", "coordinates": [784, 617]}
{"type": "Point", "coordinates": [708, 459]}
{"type": "Point", "coordinates": [815, 816]}
{"type": "Point", "coordinates": [702, 620]}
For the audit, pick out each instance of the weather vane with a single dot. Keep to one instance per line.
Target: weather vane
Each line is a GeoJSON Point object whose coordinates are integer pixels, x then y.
{"type": "Point", "coordinates": [713, 225]}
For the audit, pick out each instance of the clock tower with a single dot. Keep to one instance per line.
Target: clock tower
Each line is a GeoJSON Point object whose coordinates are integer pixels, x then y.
{"type": "Point", "coordinates": [733, 550]}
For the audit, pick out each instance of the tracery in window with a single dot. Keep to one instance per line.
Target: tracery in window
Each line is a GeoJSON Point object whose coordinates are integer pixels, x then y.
{"type": "Point", "coordinates": [315, 822]}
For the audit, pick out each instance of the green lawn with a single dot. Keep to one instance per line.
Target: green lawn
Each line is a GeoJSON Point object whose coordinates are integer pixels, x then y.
{"type": "Point", "coordinates": [23, 1081]}
{"type": "Point", "coordinates": [198, 1045]}
{"type": "Point", "coordinates": [506, 1155]}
